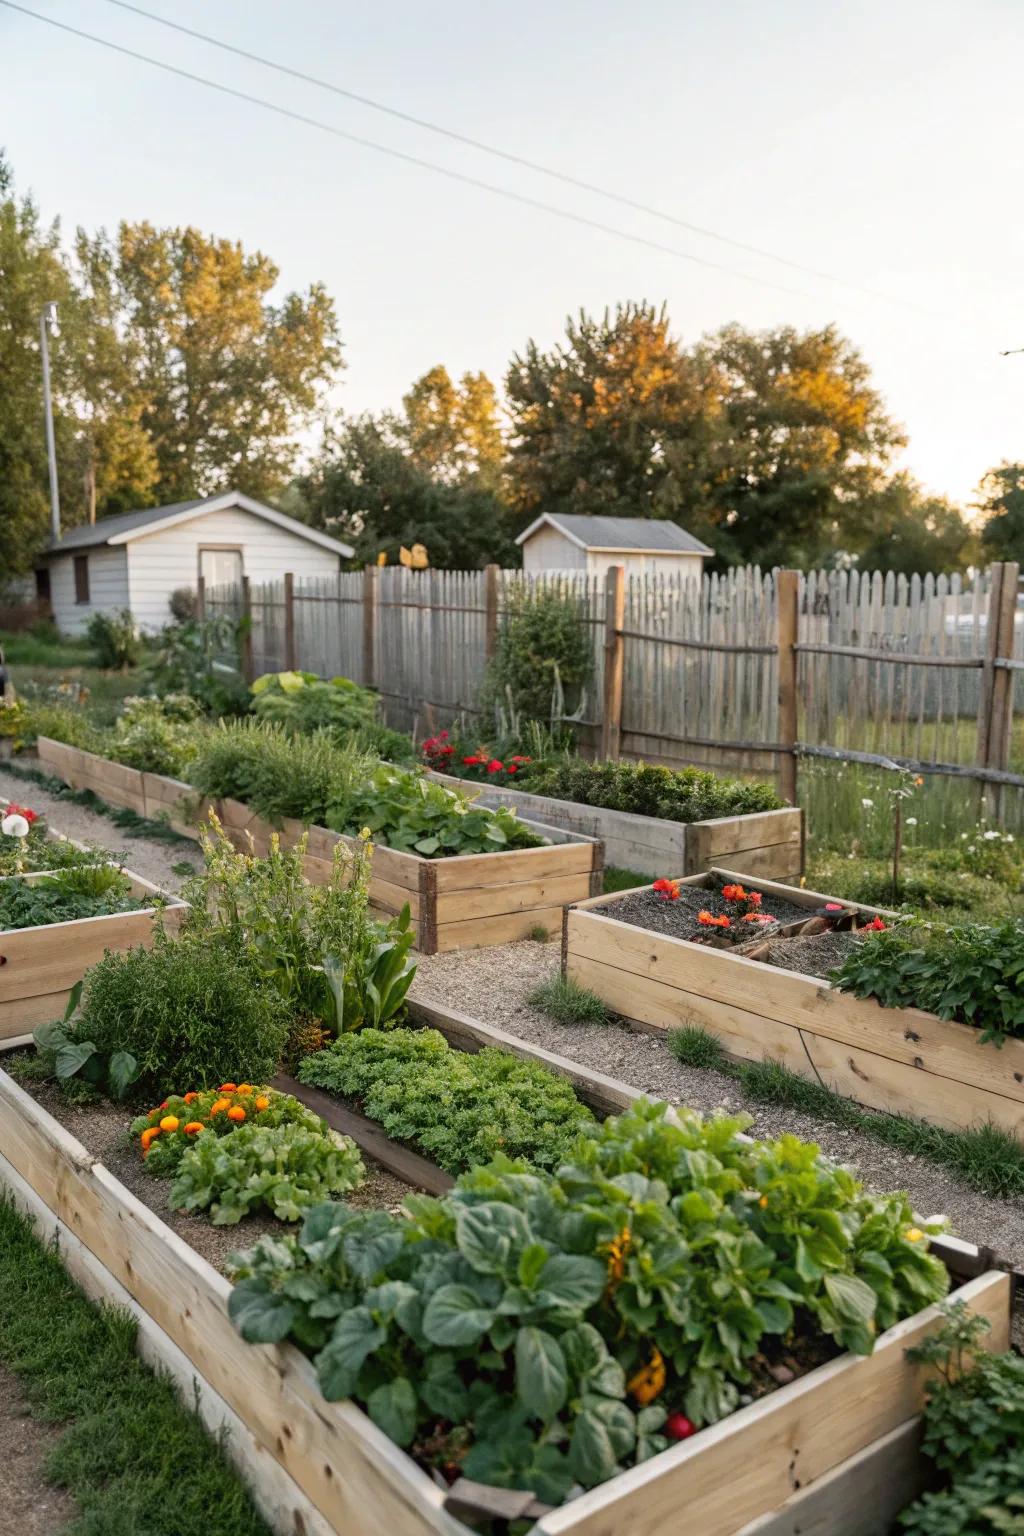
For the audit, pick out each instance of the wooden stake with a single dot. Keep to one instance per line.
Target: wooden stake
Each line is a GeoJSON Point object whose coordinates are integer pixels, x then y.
{"type": "Point", "coordinates": [787, 597]}
{"type": "Point", "coordinates": [289, 621]}
{"type": "Point", "coordinates": [614, 649]}
{"type": "Point", "coordinates": [1001, 697]}
{"type": "Point", "coordinates": [246, 643]}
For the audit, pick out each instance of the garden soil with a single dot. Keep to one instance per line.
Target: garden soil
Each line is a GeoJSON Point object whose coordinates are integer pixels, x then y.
{"type": "Point", "coordinates": [29, 1506]}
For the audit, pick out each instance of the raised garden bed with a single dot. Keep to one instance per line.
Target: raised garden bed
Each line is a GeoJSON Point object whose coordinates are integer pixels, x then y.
{"type": "Point", "coordinates": [902, 1060]}
{"type": "Point", "coordinates": [461, 902]}
{"type": "Point", "coordinates": [840, 1438]}
{"type": "Point", "coordinates": [40, 965]}
{"type": "Point", "coordinates": [765, 844]}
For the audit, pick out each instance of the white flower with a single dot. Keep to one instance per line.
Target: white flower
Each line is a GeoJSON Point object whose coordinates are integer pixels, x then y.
{"type": "Point", "coordinates": [1008, 838]}
{"type": "Point", "coordinates": [14, 826]}
{"type": "Point", "coordinates": [867, 804]}
{"type": "Point", "coordinates": [989, 836]}
{"type": "Point", "coordinates": [911, 821]}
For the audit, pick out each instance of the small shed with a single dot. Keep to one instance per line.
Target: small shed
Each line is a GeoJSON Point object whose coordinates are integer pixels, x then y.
{"type": "Point", "coordinates": [568, 542]}
{"type": "Point", "coordinates": [137, 559]}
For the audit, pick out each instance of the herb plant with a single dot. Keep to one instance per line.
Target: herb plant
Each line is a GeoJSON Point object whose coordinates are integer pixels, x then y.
{"type": "Point", "coordinates": [284, 1169]}
{"type": "Point", "coordinates": [647, 789]}
{"type": "Point", "coordinates": [88, 890]}
{"type": "Point", "coordinates": [460, 1109]}
{"type": "Point", "coordinates": [973, 973]}
{"type": "Point", "coordinates": [562, 1323]}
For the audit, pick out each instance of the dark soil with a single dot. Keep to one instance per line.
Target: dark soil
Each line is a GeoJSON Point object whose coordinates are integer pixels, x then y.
{"type": "Point", "coordinates": [813, 955]}
{"type": "Point", "coordinates": [678, 919]}
{"type": "Point", "coordinates": [102, 1128]}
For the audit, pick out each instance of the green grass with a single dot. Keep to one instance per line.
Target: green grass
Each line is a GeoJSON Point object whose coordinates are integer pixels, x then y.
{"type": "Point", "coordinates": [623, 879]}
{"type": "Point", "coordinates": [938, 895]}
{"type": "Point", "coordinates": [133, 1458]}
{"type": "Point", "coordinates": [697, 1047]}
{"type": "Point", "coordinates": [987, 1159]}
{"type": "Point", "coordinates": [565, 1001]}
{"type": "Point", "coordinates": [38, 662]}
{"type": "Point", "coordinates": [30, 648]}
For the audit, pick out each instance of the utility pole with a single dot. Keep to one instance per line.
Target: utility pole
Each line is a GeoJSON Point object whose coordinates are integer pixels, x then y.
{"type": "Point", "coordinates": [48, 323]}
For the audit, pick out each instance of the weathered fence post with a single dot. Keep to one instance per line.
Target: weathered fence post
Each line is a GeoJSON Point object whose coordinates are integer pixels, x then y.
{"type": "Point", "coordinates": [290, 662]}
{"type": "Point", "coordinates": [201, 599]}
{"type": "Point", "coordinates": [246, 645]}
{"type": "Point", "coordinates": [614, 648]}
{"type": "Point", "coordinates": [370, 589]}
{"type": "Point", "coordinates": [985, 691]}
{"type": "Point", "coordinates": [787, 601]}
{"type": "Point", "coordinates": [491, 574]}
{"type": "Point", "coordinates": [999, 694]}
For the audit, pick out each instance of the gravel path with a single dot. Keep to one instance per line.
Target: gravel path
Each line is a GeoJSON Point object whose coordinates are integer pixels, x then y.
{"type": "Point", "coordinates": [146, 856]}
{"type": "Point", "coordinates": [492, 985]}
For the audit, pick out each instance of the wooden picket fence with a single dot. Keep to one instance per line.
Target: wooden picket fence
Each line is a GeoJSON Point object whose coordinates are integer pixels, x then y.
{"type": "Point", "coordinates": [749, 670]}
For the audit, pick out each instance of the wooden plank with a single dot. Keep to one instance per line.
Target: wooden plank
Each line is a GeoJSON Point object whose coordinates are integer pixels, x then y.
{"type": "Point", "coordinates": [800, 896]}
{"type": "Point", "coordinates": [860, 1497]}
{"type": "Point", "coordinates": [604, 1094]}
{"type": "Point", "coordinates": [903, 1034]}
{"type": "Point", "coordinates": [488, 932]}
{"type": "Point", "coordinates": [417, 1171]}
{"type": "Point", "coordinates": [26, 1013]}
{"type": "Point", "coordinates": [279, 1500]}
{"type": "Point", "coordinates": [467, 870]}
{"type": "Point", "coordinates": [779, 860]}
{"type": "Point", "coordinates": [752, 1462]}
{"type": "Point", "coordinates": [499, 900]}
{"type": "Point", "coordinates": [50, 959]}
{"type": "Point", "coordinates": [759, 830]}
{"type": "Point", "coordinates": [358, 1479]}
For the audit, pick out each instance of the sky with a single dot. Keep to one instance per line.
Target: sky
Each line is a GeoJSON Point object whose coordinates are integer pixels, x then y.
{"type": "Point", "coordinates": [879, 142]}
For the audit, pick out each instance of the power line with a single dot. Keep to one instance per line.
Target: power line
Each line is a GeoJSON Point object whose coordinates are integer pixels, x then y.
{"type": "Point", "coordinates": [511, 158]}
{"type": "Point", "coordinates": [397, 154]}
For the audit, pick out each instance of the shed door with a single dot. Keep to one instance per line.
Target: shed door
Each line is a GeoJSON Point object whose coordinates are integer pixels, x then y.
{"type": "Point", "coordinates": [220, 567]}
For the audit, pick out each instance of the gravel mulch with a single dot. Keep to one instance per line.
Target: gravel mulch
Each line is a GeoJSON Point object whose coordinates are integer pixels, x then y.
{"type": "Point", "coordinates": [102, 1128]}
{"type": "Point", "coordinates": [493, 985]}
{"type": "Point", "coordinates": [148, 857]}
{"type": "Point", "coordinates": [814, 954]}
{"type": "Point", "coordinates": [678, 918]}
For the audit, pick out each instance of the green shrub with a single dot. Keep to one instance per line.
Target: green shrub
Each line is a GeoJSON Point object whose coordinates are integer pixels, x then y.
{"type": "Point", "coordinates": [647, 789]}
{"type": "Point", "coordinates": [973, 974]}
{"type": "Point", "coordinates": [68, 723]}
{"type": "Point", "coordinates": [303, 702]}
{"type": "Point", "coordinates": [185, 1012]}
{"type": "Point", "coordinates": [201, 657]}
{"type": "Point", "coordinates": [157, 735]}
{"type": "Point", "coordinates": [460, 1109]}
{"type": "Point", "coordinates": [987, 1502]}
{"type": "Point", "coordinates": [662, 1260]}
{"type": "Point", "coordinates": [543, 658]}
{"type": "Point", "coordinates": [114, 639]}
{"type": "Point", "coordinates": [284, 1169]}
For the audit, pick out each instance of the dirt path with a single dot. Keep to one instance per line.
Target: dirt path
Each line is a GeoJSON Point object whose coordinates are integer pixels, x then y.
{"type": "Point", "coordinates": [29, 1506]}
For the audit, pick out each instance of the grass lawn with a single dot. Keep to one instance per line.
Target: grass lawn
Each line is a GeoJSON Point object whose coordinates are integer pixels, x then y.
{"type": "Point", "coordinates": [37, 664]}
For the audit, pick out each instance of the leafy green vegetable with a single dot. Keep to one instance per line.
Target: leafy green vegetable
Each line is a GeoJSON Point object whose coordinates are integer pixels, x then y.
{"type": "Point", "coordinates": [648, 789]}
{"type": "Point", "coordinates": [95, 890]}
{"type": "Point", "coordinates": [284, 1169]}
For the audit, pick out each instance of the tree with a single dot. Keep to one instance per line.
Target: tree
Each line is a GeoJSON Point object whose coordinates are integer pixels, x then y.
{"type": "Point", "coordinates": [454, 432]}
{"type": "Point", "coordinates": [1002, 504]}
{"type": "Point", "coordinates": [32, 274]}
{"type": "Point", "coordinates": [915, 533]}
{"type": "Point", "coordinates": [365, 486]}
{"type": "Point", "coordinates": [228, 378]}
{"type": "Point", "coordinates": [794, 446]}
{"type": "Point", "coordinates": [592, 420]}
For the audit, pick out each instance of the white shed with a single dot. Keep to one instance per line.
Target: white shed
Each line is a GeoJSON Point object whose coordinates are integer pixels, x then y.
{"type": "Point", "coordinates": [566, 542]}
{"type": "Point", "coordinates": [137, 559]}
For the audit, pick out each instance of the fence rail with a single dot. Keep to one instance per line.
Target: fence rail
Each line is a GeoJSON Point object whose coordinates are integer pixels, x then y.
{"type": "Point", "coordinates": [749, 670]}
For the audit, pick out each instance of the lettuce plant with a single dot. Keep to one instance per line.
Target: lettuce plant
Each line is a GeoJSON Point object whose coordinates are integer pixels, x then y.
{"type": "Point", "coordinates": [284, 1169]}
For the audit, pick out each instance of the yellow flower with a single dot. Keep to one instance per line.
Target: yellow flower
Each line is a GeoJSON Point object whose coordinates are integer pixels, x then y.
{"type": "Point", "coordinates": [648, 1381]}
{"type": "Point", "coordinates": [262, 1103]}
{"type": "Point", "coordinates": [763, 1202]}
{"type": "Point", "coordinates": [169, 1123]}
{"type": "Point", "coordinates": [914, 1234]}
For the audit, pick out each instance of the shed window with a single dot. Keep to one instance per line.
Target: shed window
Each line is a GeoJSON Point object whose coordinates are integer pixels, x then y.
{"type": "Point", "coordinates": [81, 578]}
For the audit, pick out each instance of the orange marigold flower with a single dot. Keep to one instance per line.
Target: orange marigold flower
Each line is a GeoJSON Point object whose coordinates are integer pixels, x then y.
{"type": "Point", "coordinates": [236, 1112]}
{"type": "Point", "coordinates": [763, 1202]}
{"type": "Point", "coordinates": [244, 1088]}
{"type": "Point", "coordinates": [193, 1128]}
{"type": "Point", "coordinates": [649, 1380]}
{"type": "Point", "coordinates": [228, 1088]}
{"type": "Point", "coordinates": [148, 1136]}
{"type": "Point", "coordinates": [169, 1123]}
{"type": "Point", "coordinates": [262, 1103]}
{"type": "Point", "coordinates": [220, 1106]}
{"type": "Point", "coordinates": [190, 1098]}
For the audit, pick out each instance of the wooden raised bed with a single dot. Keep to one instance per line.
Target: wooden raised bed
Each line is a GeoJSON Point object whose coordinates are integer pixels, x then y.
{"type": "Point", "coordinates": [902, 1060]}
{"type": "Point", "coordinates": [39, 966]}
{"type": "Point", "coordinates": [462, 902]}
{"type": "Point", "coordinates": [823, 1442]}
{"type": "Point", "coordinates": [765, 843]}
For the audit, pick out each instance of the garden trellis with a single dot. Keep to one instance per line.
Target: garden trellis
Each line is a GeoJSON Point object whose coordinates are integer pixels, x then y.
{"type": "Point", "coordinates": [748, 670]}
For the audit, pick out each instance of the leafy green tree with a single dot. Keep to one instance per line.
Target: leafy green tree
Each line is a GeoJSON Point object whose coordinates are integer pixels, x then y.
{"type": "Point", "coordinates": [454, 431]}
{"type": "Point", "coordinates": [592, 420]}
{"type": "Point", "coordinates": [914, 532]}
{"type": "Point", "coordinates": [366, 487]}
{"type": "Point", "coordinates": [1002, 505]}
{"type": "Point", "coordinates": [228, 378]}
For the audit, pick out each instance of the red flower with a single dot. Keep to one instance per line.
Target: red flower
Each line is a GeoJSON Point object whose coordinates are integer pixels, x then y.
{"type": "Point", "coordinates": [471, 762]}
{"type": "Point", "coordinates": [876, 925]}
{"type": "Point", "coordinates": [754, 897]}
{"type": "Point", "coordinates": [513, 768]}
{"type": "Point", "coordinates": [708, 921]}
{"type": "Point", "coordinates": [494, 766]}
{"type": "Point", "coordinates": [734, 893]}
{"type": "Point", "coordinates": [668, 890]}
{"type": "Point", "coordinates": [834, 906]}
{"type": "Point", "coordinates": [22, 810]}
{"type": "Point", "coordinates": [758, 917]}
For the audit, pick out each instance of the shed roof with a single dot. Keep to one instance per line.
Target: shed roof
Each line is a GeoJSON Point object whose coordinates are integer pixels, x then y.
{"type": "Point", "coordinates": [133, 525]}
{"type": "Point", "coordinates": [620, 534]}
